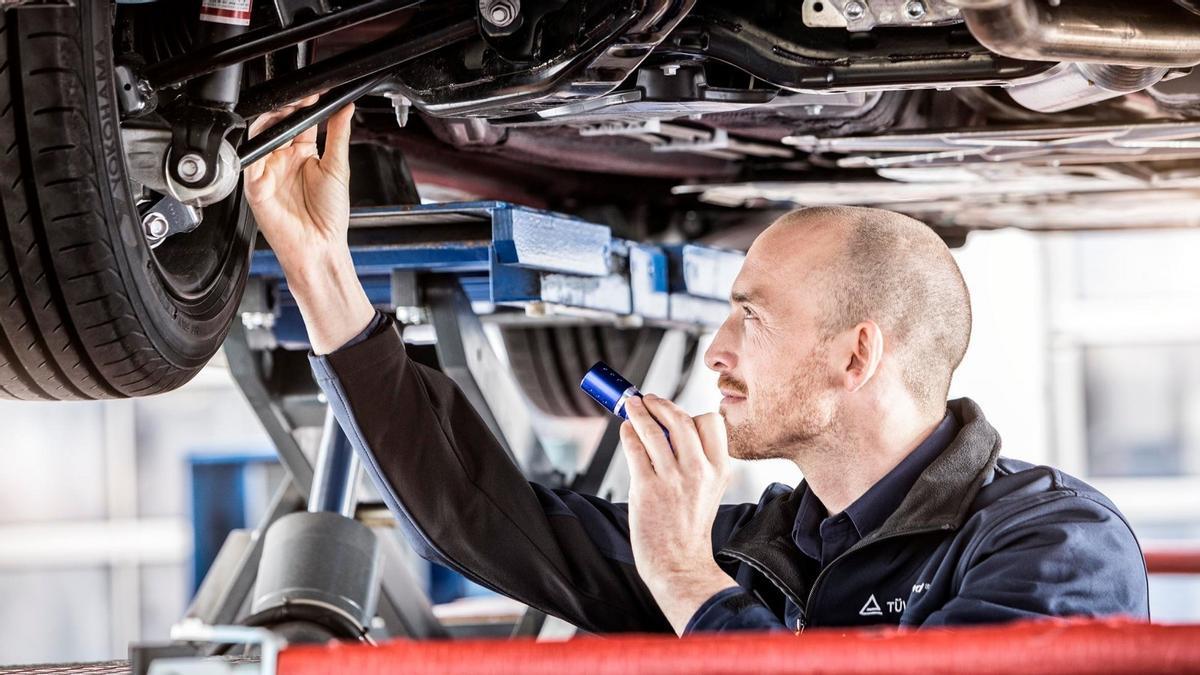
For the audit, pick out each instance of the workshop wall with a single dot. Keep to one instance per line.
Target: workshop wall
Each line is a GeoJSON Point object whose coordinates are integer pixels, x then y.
{"type": "Point", "coordinates": [95, 534]}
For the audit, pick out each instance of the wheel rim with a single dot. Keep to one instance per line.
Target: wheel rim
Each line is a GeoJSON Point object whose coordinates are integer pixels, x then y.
{"type": "Point", "coordinates": [189, 265]}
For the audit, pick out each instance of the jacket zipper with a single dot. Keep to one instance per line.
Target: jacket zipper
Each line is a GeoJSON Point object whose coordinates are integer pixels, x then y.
{"type": "Point", "coordinates": [812, 591]}
{"type": "Point", "coordinates": [802, 619]}
{"type": "Point", "coordinates": [763, 570]}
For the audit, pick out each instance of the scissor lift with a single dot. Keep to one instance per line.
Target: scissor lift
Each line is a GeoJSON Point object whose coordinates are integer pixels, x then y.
{"type": "Point", "coordinates": [451, 267]}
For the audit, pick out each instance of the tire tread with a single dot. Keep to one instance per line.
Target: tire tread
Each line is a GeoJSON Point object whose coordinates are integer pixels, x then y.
{"type": "Point", "coordinates": [68, 330]}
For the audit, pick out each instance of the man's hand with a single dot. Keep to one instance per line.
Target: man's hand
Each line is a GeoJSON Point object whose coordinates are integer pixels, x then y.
{"type": "Point", "coordinates": [673, 499]}
{"type": "Point", "coordinates": [301, 201]}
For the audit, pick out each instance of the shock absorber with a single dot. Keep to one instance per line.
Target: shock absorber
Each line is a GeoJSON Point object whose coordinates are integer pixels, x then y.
{"type": "Point", "coordinates": [203, 166]}
{"type": "Point", "coordinates": [221, 20]}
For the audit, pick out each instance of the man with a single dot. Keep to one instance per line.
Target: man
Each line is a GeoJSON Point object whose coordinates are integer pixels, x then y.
{"type": "Point", "coordinates": [845, 328]}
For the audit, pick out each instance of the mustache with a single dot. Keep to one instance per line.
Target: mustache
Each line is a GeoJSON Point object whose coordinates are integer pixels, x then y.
{"type": "Point", "coordinates": [728, 383]}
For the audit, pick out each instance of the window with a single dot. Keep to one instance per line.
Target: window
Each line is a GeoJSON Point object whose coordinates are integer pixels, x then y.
{"type": "Point", "coordinates": [1142, 410]}
{"type": "Point", "coordinates": [1124, 330]}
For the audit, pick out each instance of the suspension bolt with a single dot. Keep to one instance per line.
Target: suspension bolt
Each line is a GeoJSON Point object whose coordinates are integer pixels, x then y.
{"type": "Point", "coordinates": [501, 13]}
{"type": "Point", "coordinates": [914, 10]}
{"type": "Point", "coordinates": [155, 226]}
{"type": "Point", "coordinates": [854, 10]}
{"type": "Point", "coordinates": [191, 167]}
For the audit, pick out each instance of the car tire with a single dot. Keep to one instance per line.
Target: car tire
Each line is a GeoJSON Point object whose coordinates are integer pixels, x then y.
{"type": "Point", "coordinates": [87, 309]}
{"type": "Point", "coordinates": [549, 362]}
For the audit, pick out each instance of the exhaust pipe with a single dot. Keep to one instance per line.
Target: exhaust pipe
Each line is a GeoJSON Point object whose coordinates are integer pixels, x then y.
{"type": "Point", "coordinates": [1072, 85]}
{"type": "Point", "coordinates": [1117, 32]}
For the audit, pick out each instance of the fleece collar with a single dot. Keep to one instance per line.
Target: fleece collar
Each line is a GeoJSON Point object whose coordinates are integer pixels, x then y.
{"type": "Point", "coordinates": [939, 499]}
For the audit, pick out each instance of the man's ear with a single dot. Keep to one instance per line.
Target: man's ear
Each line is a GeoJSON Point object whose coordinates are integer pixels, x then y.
{"type": "Point", "coordinates": [865, 355]}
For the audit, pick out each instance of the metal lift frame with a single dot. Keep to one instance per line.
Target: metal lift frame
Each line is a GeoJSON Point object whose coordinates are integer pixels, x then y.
{"type": "Point", "coordinates": [443, 265]}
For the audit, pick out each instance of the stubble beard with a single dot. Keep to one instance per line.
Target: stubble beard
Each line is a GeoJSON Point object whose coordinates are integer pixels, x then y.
{"type": "Point", "coordinates": [789, 421]}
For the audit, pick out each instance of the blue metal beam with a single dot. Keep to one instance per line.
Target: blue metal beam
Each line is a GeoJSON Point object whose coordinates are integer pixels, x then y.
{"type": "Point", "coordinates": [512, 255]}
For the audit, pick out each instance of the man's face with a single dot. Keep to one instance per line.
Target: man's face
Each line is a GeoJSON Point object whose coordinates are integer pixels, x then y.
{"type": "Point", "coordinates": [777, 378]}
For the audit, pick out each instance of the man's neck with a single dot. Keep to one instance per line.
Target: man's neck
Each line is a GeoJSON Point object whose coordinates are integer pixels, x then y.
{"type": "Point", "coordinates": [843, 471]}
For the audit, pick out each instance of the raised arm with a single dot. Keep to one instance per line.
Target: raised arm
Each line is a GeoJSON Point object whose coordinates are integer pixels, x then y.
{"type": "Point", "coordinates": [458, 497]}
{"type": "Point", "coordinates": [301, 202]}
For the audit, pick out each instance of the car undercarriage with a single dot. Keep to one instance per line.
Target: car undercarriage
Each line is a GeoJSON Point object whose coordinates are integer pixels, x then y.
{"type": "Point", "coordinates": [665, 119]}
{"type": "Point", "coordinates": [740, 104]}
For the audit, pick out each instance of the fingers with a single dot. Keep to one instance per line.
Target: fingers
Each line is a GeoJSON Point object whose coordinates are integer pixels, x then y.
{"type": "Point", "coordinates": [308, 136]}
{"type": "Point", "coordinates": [306, 141]}
{"type": "Point", "coordinates": [652, 437]}
{"type": "Point", "coordinates": [267, 120]}
{"type": "Point", "coordinates": [263, 121]}
{"type": "Point", "coordinates": [262, 177]}
{"type": "Point", "coordinates": [635, 453]}
{"type": "Point", "coordinates": [256, 184]}
{"type": "Point", "coordinates": [684, 439]}
{"type": "Point", "coordinates": [713, 438]}
{"type": "Point", "coordinates": [336, 159]}
{"type": "Point", "coordinates": [253, 174]}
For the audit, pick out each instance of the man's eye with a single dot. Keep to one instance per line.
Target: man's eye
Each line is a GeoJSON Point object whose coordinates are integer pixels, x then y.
{"type": "Point", "coordinates": [747, 315]}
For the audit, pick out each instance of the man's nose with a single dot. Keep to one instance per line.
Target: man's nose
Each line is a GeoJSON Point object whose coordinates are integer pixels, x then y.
{"type": "Point", "coordinates": [720, 355]}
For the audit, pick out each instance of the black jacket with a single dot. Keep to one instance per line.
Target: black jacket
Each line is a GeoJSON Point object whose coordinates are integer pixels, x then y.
{"type": "Point", "coordinates": [977, 539]}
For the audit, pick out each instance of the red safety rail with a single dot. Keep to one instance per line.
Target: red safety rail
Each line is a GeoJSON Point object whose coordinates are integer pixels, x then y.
{"type": "Point", "coordinates": [1179, 561]}
{"type": "Point", "coordinates": [1052, 647]}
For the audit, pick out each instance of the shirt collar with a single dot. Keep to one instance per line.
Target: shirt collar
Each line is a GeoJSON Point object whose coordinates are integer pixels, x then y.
{"type": "Point", "coordinates": [806, 530]}
{"type": "Point", "coordinates": [875, 505]}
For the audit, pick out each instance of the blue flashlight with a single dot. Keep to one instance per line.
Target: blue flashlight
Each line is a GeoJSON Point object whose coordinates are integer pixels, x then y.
{"type": "Point", "coordinates": [608, 388]}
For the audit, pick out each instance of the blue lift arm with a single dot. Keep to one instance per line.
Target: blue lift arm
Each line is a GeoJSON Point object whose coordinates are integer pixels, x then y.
{"type": "Point", "coordinates": [508, 255]}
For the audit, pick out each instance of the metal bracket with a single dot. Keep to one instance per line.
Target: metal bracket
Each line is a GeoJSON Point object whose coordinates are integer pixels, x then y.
{"type": "Point", "coordinates": [147, 151]}
{"type": "Point", "coordinates": [169, 217]}
{"type": "Point", "coordinates": [269, 645]}
{"type": "Point", "coordinates": [198, 136]}
{"type": "Point", "coordinates": [864, 15]}
{"type": "Point", "coordinates": [134, 95]}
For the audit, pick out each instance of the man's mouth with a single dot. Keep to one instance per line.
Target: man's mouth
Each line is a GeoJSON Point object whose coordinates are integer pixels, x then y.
{"type": "Point", "coordinates": [731, 399]}
{"type": "Point", "coordinates": [730, 392]}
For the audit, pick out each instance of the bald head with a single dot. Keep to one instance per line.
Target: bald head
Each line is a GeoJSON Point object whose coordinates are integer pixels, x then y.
{"type": "Point", "coordinates": [888, 268]}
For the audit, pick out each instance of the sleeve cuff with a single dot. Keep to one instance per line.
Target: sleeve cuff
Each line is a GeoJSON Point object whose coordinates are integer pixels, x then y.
{"type": "Point", "coordinates": [704, 615]}
{"type": "Point", "coordinates": [373, 326]}
{"type": "Point", "coordinates": [380, 342]}
{"type": "Point", "coordinates": [732, 609]}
